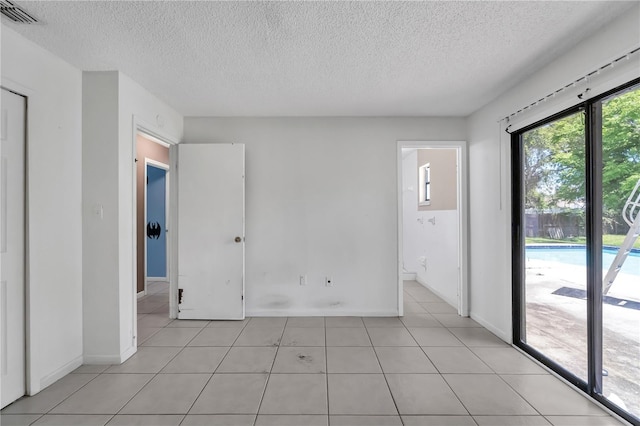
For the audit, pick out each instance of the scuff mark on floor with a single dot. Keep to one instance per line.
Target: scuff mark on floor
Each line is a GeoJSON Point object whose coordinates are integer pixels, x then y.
{"type": "Point", "coordinates": [305, 358]}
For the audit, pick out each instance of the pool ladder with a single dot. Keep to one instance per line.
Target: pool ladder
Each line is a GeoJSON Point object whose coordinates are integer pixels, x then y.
{"type": "Point", "coordinates": [630, 214]}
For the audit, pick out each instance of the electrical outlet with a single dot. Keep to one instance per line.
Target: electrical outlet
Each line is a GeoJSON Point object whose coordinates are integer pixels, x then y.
{"type": "Point", "coordinates": [328, 281]}
{"type": "Point", "coordinates": [303, 280]}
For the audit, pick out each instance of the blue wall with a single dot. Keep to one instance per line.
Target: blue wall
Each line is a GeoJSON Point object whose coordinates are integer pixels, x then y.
{"type": "Point", "coordinates": [156, 222]}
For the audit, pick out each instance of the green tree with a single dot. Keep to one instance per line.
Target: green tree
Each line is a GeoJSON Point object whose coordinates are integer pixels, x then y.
{"type": "Point", "coordinates": [555, 158]}
{"type": "Point", "coordinates": [620, 149]}
{"type": "Point", "coordinates": [537, 150]}
{"type": "Point", "coordinates": [554, 163]}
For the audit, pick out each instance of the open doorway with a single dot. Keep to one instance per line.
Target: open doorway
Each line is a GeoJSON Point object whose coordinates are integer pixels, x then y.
{"type": "Point", "coordinates": [432, 217]}
{"type": "Point", "coordinates": [152, 245]}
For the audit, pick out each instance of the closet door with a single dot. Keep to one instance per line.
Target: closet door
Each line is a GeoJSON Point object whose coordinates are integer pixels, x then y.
{"type": "Point", "coordinates": [12, 246]}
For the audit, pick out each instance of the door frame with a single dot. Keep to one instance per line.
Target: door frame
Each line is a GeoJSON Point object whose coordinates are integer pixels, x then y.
{"type": "Point", "coordinates": [463, 218]}
{"type": "Point", "coordinates": [31, 385]}
{"type": "Point", "coordinates": [155, 133]}
{"type": "Point", "coordinates": [165, 167]}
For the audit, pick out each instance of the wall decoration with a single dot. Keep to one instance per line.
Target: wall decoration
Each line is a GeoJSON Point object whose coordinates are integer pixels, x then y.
{"type": "Point", "coordinates": [154, 230]}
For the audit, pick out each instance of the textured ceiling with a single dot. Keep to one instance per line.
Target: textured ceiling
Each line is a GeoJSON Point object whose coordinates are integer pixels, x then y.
{"type": "Point", "coordinates": [317, 58]}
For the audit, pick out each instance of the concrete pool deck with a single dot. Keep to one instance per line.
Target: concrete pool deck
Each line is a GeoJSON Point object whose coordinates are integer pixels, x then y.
{"type": "Point", "coordinates": [556, 326]}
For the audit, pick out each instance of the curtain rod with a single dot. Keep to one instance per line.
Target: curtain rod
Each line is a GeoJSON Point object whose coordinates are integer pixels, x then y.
{"type": "Point", "coordinates": [584, 78]}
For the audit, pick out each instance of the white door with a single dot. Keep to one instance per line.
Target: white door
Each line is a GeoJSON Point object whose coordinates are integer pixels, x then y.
{"type": "Point", "coordinates": [12, 246]}
{"type": "Point", "coordinates": [210, 231]}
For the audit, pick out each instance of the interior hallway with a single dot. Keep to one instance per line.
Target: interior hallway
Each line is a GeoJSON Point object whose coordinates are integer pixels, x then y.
{"type": "Point", "coordinates": [153, 310]}
{"type": "Point", "coordinates": [429, 368]}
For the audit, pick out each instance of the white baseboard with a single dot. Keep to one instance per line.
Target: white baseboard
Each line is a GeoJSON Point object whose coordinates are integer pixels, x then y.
{"type": "Point", "coordinates": [502, 334]}
{"type": "Point", "coordinates": [53, 377]}
{"type": "Point", "coordinates": [128, 353]}
{"type": "Point", "coordinates": [453, 303]}
{"type": "Point", "coordinates": [142, 294]}
{"type": "Point", "coordinates": [409, 276]}
{"type": "Point", "coordinates": [101, 359]}
{"type": "Point", "coordinates": [312, 313]}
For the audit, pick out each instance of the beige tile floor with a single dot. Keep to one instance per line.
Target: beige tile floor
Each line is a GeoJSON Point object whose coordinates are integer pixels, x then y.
{"type": "Point", "coordinates": [429, 368]}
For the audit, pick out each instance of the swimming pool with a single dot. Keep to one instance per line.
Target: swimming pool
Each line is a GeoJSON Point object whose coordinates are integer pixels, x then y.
{"type": "Point", "coordinates": [576, 255]}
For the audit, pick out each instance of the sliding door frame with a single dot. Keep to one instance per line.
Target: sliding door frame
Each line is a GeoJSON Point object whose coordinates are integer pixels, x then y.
{"type": "Point", "coordinates": [518, 246]}
{"type": "Point", "coordinates": [592, 110]}
{"type": "Point", "coordinates": [593, 175]}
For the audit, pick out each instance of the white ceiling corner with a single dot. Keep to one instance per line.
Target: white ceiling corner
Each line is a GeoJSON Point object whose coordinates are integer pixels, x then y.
{"type": "Point", "coordinates": [208, 58]}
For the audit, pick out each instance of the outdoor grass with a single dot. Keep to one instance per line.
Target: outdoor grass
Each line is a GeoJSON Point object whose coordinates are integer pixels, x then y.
{"type": "Point", "coordinates": [607, 240]}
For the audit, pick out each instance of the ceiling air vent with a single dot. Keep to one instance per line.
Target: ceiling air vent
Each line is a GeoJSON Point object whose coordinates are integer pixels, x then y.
{"type": "Point", "coordinates": [16, 13]}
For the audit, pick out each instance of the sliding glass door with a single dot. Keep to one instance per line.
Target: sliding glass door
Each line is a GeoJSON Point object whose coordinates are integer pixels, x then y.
{"type": "Point", "coordinates": [576, 264]}
{"type": "Point", "coordinates": [621, 249]}
{"type": "Point", "coordinates": [555, 279]}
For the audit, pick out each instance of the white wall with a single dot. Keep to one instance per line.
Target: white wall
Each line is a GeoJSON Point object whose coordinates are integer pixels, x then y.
{"type": "Point", "coordinates": [321, 199]}
{"type": "Point", "coordinates": [429, 250]}
{"type": "Point", "coordinates": [100, 191]}
{"type": "Point", "coordinates": [112, 105]}
{"type": "Point", "coordinates": [54, 118]}
{"type": "Point", "coordinates": [489, 168]}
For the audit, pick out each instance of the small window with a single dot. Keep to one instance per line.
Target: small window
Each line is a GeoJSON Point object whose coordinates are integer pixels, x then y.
{"type": "Point", "coordinates": [425, 185]}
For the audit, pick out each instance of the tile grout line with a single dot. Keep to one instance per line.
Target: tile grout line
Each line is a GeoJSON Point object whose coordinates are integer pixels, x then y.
{"type": "Point", "coordinates": [438, 370]}
{"type": "Point", "coordinates": [469, 348]}
{"type": "Point", "coordinates": [136, 394]}
{"type": "Point", "coordinates": [184, 416]}
{"type": "Point", "coordinates": [464, 345]}
{"type": "Point", "coordinates": [214, 371]}
{"type": "Point", "coordinates": [142, 299]}
{"type": "Point", "coordinates": [326, 370]}
{"type": "Point", "coordinates": [395, 404]}
{"type": "Point", "coordinates": [205, 385]}
{"type": "Point", "coordinates": [447, 383]}
{"type": "Point", "coordinates": [166, 326]}
{"type": "Point", "coordinates": [140, 345]}
{"type": "Point", "coordinates": [73, 393]}
{"type": "Point", "coordinates": [266, 384]}
{"type": "Point", "coordinates": [38, 418]}
{"type": "Point", "coordinates": [522, 396]}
